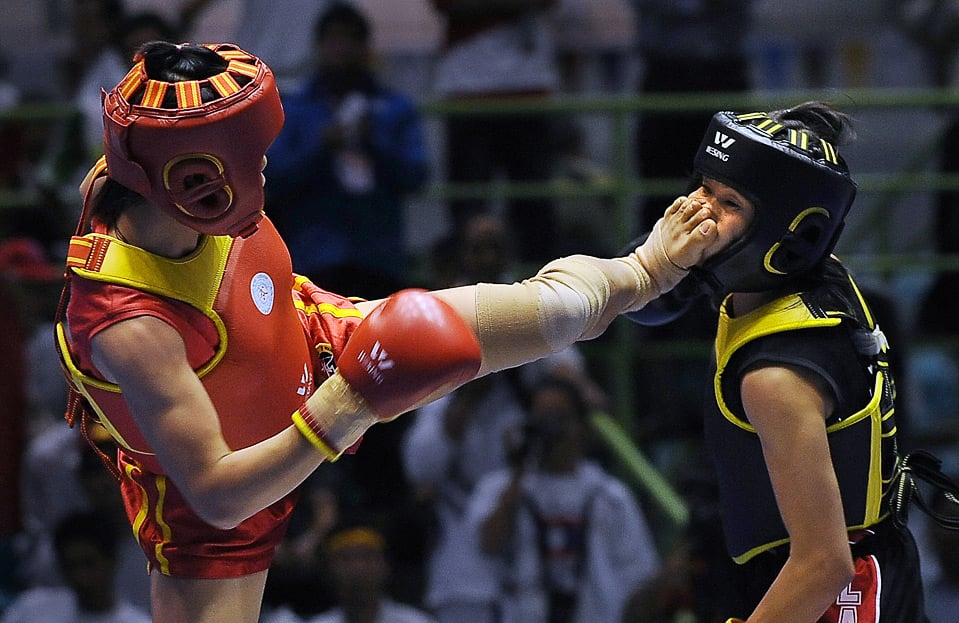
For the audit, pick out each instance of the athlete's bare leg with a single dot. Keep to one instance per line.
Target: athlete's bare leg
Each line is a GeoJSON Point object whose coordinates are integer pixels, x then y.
{"type": "Point", "coordinates": [234, 600]}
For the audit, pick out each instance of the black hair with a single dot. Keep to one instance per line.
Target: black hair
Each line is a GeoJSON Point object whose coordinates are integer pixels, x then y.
{"type": "Point", "coordinates": [345, 14]}
{"type": "Point", "coordinates": [820, 119]}
{"type": "Point", "coordinates": [169, 62]}
{"type": "Point", "coordinates": [114, 200]}
{"type": "Point", "coordinates": [565, 386]}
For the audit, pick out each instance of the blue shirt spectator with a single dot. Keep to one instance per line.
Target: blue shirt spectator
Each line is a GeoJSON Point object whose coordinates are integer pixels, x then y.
{"type": "Point", "coordinates": [350, 152]}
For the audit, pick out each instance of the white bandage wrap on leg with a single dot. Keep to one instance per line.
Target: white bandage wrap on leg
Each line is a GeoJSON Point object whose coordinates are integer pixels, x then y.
{"type": "Point", "coordinates": [571, 299]}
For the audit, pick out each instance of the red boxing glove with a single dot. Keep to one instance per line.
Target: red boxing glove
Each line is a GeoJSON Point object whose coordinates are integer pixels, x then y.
{"type": "Point", "coordinates": [408, 348]}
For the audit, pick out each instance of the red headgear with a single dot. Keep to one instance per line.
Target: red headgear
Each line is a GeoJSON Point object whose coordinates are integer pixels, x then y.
{"type": "Point", "coordinates": [199, 161]}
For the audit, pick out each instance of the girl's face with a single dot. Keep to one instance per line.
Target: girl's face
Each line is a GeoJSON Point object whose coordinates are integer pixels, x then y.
{"type": "Point", "coordinates": [731, 210]}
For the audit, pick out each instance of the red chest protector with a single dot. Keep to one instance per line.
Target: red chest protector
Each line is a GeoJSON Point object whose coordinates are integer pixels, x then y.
{"type": "Point", "coordinates": [262, 365]}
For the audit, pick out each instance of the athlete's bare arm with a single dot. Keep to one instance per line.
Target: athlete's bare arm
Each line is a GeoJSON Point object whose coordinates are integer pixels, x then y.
{"type": "Point", "coordinates": [789, 406]}
{"type": "Point", "coordinates": [147, 359]}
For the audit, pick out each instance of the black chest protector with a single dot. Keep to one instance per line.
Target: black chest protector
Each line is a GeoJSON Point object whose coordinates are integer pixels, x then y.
{"type": "Point", "coordinates": [861, 433]}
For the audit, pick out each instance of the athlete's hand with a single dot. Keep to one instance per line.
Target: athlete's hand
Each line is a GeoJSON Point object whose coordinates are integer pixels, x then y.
{"type": "Point", "coordinates": [686, 229]}
{"type": "Point", "coordinates": [412, 347]}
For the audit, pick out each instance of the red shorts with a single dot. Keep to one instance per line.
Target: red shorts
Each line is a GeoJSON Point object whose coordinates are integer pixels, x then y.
{"type": "Point", "coordinates": [858, 602]}
{"type": "Point", "coordinates": [180, 544]}
{"type": "Point", "coordinates": [887, 585]}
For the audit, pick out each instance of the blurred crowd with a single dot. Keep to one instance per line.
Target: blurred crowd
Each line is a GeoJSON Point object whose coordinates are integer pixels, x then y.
{"type": "Point", "coordinates": [498, 502]}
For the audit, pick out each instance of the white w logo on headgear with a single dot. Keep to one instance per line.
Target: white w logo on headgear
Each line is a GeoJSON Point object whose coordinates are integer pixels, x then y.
{"type": "Point", "coordinates": [722, 140]}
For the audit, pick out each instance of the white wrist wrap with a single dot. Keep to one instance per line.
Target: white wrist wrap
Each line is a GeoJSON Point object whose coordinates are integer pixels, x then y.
{"type": "Point", "coordinates": [334, 417]}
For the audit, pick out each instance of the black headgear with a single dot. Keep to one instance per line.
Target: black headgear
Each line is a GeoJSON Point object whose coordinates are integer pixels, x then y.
{"type": "Point", "coordinates": [801, 190]}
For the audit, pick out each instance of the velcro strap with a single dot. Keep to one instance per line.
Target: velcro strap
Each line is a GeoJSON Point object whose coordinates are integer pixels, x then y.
{"type": "Point", "coordinates": [87, 252]}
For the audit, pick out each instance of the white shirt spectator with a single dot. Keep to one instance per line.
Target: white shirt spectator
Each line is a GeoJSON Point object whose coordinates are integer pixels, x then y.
{"type": "Point", "coordinates": [59, 605]}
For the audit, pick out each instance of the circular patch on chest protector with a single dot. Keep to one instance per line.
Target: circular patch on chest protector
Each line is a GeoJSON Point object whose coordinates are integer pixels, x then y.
{"type": "Point", "coordinates": [262, 291]}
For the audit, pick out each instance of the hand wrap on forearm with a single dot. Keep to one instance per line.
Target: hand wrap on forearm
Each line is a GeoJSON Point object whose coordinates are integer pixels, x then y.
{"type": "Point", "coordinates": [334, 417]}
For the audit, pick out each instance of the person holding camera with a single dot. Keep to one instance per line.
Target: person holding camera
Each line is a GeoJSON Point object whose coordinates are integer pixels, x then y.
{"type": "Point", "coordinates": [568, 539]}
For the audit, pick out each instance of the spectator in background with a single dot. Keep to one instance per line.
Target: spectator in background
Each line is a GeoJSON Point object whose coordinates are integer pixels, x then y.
{"type": "Point", "coordinates": [299, 582]}
{"type": "Point", "coordinates": [210, 20]}
{"type": "Point", "coordinates": [10, 94]}
{"type": "Point", "coordinates": [691, 47]}
{"type": "Point", "coordinates": [451, 445]}
{"type": "Point", "coordinates": [83, 484]}
{"type": "Point", "coordinates": [122, 34]}
{"type": "Point", "coordinates": [501, 51]}
{"type": "Point", "coordinates": [349, 153]}
{"type": "Point", "coordinates": [933, 359]}
{"type": "Point", "coordinates": [456, 440]}
{"type": "Point", "coordinates": [105, 38]}
{"type": "Point", "coordinates": [361, 572]}
{"type": "Point", "coordinates": [86, 553]}
{"type": "Point", "coordinates": [282, 31]}
{"type": "Point", "coordinates": [934, 27]}
{"type": "Point", "coordinates": [568, 539]}
{"type": "Point", "coordinates": [90, 61]}
{"type": "Point", "coordinates": [481, 249]}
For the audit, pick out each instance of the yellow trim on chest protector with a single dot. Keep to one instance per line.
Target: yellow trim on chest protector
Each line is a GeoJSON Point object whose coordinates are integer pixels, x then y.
{"type": "Point", "coordinates": [186, 279]}
{"type": "Point", "coordinates": [194, 279]}
{"type": "Point", "coordinates": [784, 314]}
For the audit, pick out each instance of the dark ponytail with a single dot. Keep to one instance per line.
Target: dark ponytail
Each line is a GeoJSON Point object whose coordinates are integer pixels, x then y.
{"type": "Point", "coordinates": [820, 119]}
